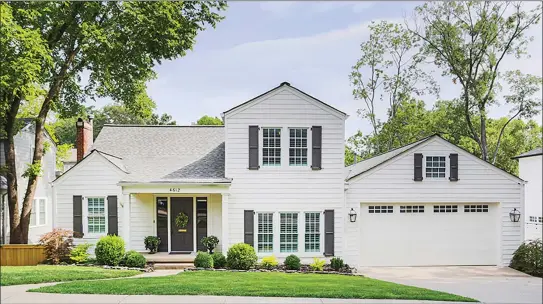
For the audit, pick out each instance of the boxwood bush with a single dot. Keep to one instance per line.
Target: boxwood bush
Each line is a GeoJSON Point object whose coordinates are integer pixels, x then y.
{"type": "Point", "coordinates": [109, 250]}
{"type": "Point", "coordinates": [133, 258]}
{"type": "Point", "coordinates": [219, 260]}
{"type": "Point", "coordinates": [528, 258]}
{"type": "Point", "coordinates": [292, 262]}
{"type": "Point", "coordinates": [241, 256]}
{"type": "Point", "coordinates": [336, 263]}
{"type": "Point", "coordinates": [203, 259]}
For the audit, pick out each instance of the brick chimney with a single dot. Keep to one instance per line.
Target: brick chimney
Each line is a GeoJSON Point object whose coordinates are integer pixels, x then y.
{"type": "Point", "coordinates": [84, 140]}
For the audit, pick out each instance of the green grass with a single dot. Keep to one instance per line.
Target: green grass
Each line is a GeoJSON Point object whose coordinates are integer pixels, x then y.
{"type": "Point", "coordinates": [266, 284]}
{"type": "Point", "coordinates": [17, 275]}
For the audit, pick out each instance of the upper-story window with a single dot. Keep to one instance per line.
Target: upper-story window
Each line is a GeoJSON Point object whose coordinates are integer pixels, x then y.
{"type": "Point", "coordinates": [37, 214]}
{"type": "Point", "coordinates": [298, 147]}
{"type": "Point", "coordinates": [271, 146]}
{"type": "Point", "coordinates": [435, 166]}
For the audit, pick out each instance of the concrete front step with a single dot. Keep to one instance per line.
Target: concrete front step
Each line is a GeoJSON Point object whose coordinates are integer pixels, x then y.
{"type": "Point", "coordinates": [160, 266]}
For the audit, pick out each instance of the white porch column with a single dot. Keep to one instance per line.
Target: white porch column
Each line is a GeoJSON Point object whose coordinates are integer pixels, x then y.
{"type": "Point", "coordinates": [224, 219]}
{"type": "Point", "coordinates": [126, 219]}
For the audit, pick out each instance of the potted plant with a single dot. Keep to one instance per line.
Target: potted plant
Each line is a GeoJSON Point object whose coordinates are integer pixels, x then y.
{"type": "Point", "coordinates": [151, 243]}
{"type": "Point", "coordinates": [210, 242]}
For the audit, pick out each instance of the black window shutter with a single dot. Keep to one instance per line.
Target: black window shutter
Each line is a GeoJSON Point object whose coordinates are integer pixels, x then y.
{"type": "Point", "coordinates": [453, 158]}
{"type": "Point", "coordinates": [112, 220]}
{"type": "Point", "coordinates": [249, 226]}
{"type": "Point", "coordinates": [316, 142]}
{"type": "Point", "coordinates": [418, 167]}
{"type": "Point", "coordinates": [253, 148]}
{"type": "Point", "coordinates": [328, 232]}
{"type": "Point", "coordinates": [78, 214]}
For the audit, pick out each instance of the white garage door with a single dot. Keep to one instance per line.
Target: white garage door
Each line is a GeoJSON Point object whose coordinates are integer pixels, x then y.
{"type": "Point", "coordinates": [428, 234]}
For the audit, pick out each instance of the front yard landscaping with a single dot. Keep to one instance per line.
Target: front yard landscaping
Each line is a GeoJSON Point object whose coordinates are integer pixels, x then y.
{"type": "Point", "coordinates": [17, 275]}
{"type": "Point", "coordinates": [266, 284]}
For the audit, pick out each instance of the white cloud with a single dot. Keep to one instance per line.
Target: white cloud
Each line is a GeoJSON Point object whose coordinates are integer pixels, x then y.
{"type": "Point", "coordinates": [284, 8]}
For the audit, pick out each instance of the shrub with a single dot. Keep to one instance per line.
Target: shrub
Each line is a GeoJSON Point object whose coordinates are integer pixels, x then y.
{"type": "Point", "coordinates": [241, 256]}
{"type": "Point", "coordinates": [292, 262]}
{"type": "Point", "coordinates": [317, 265]}
{"type": "Point", "coordinates": [109, 250]}
{"type": "Point", "coordinates": [219, 260]}
{"type": "Point", "coordinates": [80, 253]}
{"type": "Point", "coordinates": [134, 259]}
{"type": "Point", "coordinates": [151, 243]}
{"type": "Point", "coordinates": [336, 263]}
{"type": "Point", "coordinates": [58, 244]}
{"type": "Point", "coordinates": [528, 258]}
{"type": "Point", "coordinates": [269, 262]}
{"type": "Point", "coordinates": [210, 242]}
{"type": "Point", "coordinates": [203, 259]}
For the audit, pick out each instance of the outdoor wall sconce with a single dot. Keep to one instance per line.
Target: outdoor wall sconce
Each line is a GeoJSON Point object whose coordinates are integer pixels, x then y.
{"type": "Point", "coordinates": [514, 215]}
{"type": "Point", "coordinates": [352, 215]}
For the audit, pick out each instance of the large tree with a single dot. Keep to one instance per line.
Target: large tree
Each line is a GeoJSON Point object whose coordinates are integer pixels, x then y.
{"type": "Point", "coordinates": [49, 45]}
{"type": "Point", "coordinates": [209, 121]}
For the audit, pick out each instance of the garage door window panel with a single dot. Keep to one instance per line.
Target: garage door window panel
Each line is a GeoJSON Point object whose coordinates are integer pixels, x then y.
{"type": "Point", "coordinates": [380, 209]}
{"type": "Point", "coordinates": [475, 208]}
{"type": "Point", "coordinates": [445, 208]}
{"type": "Point", "coordinates": [435, 166]}
{"type": "Point", "coordinates": [411, 209]}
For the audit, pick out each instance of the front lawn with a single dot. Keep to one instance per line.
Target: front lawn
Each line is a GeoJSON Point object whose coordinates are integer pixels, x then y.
{"type": "Point", "coordinates": [266, 284]}
{"type": "Point", "coordinates": [17, 275]}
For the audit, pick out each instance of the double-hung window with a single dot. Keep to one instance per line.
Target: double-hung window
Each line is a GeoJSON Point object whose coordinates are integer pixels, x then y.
{"type": "Point", "coordinates": [298, 147]}
{"type": "Point", "coordinates": [435, 166]}
{"type": "Point", "coordinates": [265, 232]}
{"type": "Point", "coordinates": [96, 215]}
{"type": "Point", "coordinates": [271, 147]}
{"type": "Point", "coordinates": [37, 214]}
{"type": "Point", "coordinates": [288, 234]}
{"type": "Point", "coordinates": [312, 232]}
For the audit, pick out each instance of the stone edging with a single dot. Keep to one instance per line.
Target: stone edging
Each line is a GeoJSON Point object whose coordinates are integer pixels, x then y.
{"type": "Point", "coordinates": [147, 269]}
{"type": "Point", "coordinates": [274, 270]}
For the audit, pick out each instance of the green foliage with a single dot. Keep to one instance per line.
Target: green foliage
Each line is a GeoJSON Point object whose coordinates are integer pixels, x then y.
{"type": "Point", "coordinates": [219, 260]}
{"type": "Point", "coordinates": [209, 121]}
{"type": "Point", "coordinates": [63, 153]}
{"type": "Point", "coordinates": [241, 256]}
{"type": "Point", "coordinates": [269, 262]}
{"type": "Point", "coordinates": [80, 253]}
{"type": "Point", "coordinates": [109, 250]}
{"type": "Point", "coordinates": [336, 263]}
{"type": "Point", "coordinates": [528, 258]}
{"type": "Point", "coordinates": [317, 265]}
{"type": "Point", "coordinates": [33, 170]}
{"type": "Point", "coordinates": [58, 244]}
{"type": "Point", "coordinates": [181, 220]}
{"type": "Point", "coordinates": [210, 242]}
{"type": "Point", "coordinates": [151, 243]}
{"type": "Point", "coordinates": [292, 262]}
{"type": "Point", "coordinates": [133, 258]}
{"type": "Point", "coordinates": [203, 260]}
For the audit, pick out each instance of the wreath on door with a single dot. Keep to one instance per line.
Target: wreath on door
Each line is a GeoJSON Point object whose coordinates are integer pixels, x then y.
{"type": "Point", "coordinates": [181, 220]}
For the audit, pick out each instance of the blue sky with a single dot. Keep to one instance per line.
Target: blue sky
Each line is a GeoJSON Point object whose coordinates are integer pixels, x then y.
{"type": "Point", "coordinates": [312, 45]}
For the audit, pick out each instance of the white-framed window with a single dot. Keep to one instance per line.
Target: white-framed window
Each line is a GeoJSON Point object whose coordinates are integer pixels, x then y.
{"type": "Point", "coordinates": [297, 155]}
{"type": "Point", "coordinates": [475, 208]}
{"type": "Point", "coordinates": [265, 232]}
{"type": "Point", "coordinates": [312, 232]}
{"type": "Point", "coordinates": [411, 209]}
{"type": "Point", "coordinates": [37, 214]}
{"type": "Point", "coordinates": [288, 232]}
{"type": "Point", "coordinates": [435, 166]}
{"type": "Point", "coordinates": [445, 208]}
{"type": "Point", "coordinates": [271, 146]}
{"type": "Point", "coordinates": [380, 209]}
{"type": "Point", "coordinates": [96, 215]}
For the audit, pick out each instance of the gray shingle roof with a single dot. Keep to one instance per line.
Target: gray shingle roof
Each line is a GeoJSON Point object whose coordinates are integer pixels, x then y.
{"type": "Point", "coordinates": [534, 152]}
{"type": "Point", "coordinates": [165, 153]}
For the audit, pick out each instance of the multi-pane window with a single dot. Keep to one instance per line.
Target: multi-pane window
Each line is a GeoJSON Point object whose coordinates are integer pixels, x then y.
{"type": "Point", "coordinates": [445, 208]}
{"type": "Point", "coordinates": [298, 147]}
{"type": "Point", "coordinates": [435, 166]}
{"type": "Point", "coordinates": [536, 219]}
{"type": "Point", "coordinates": [288, 232]}
{"type": "Point", "coordinates": [312, 232]}
{"type": "Point", "coordinates": [265, 232]}
{"type": "Point", "coordinates": [37, 214]}
{"type": "Point", "coordinates": [476, 208]}
{"type": "Point", "coordinates": [411, 209]}
{"type": "Point", "coordinates": [380, 209]}
{"type": "Point", "coordinates": [96, 215]}
{"type": "Point", "coordinates": [271, 147]}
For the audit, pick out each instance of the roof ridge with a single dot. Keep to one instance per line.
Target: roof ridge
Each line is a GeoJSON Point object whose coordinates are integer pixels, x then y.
{"type": "Point", "coordinates": [163, 126]}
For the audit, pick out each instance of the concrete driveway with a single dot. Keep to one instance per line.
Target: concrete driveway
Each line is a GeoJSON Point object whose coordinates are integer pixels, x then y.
{"type": "Point", "coordinates": [484, 283]}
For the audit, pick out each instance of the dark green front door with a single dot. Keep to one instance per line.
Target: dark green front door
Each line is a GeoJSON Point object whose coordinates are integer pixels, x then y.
{"type": "Point", "coordinates": [182, 239]}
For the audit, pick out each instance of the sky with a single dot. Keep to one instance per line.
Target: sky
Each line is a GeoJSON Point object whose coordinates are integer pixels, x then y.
{"type": "Point", "coordinates": [311, 45]}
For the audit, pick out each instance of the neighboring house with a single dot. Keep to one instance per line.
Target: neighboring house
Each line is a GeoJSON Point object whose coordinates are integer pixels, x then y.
{"type": "Point", "coordinates": [530, 169]}
{"type": "Point", "coordinates": [41, 217]}
{"type": "Point", "coordinates": [273, 176]}
{"type": "Point", "coordinates": [70, 160]}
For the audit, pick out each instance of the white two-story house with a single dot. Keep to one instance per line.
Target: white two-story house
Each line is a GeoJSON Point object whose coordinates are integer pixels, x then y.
{"type": "Point", "coordinates": [273, 176]}
{"type": "Point", "coordinates": [530, 165]}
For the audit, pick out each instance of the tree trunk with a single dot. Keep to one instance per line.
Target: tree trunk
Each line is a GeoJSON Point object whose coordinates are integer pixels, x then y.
{"type": "Point", "coordinates": [15, 233]}
{"type": "Point", "coordinates": [484, 148]}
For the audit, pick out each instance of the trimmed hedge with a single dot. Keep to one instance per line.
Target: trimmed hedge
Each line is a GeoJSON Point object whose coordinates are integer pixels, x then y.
{"type": "Point", "coordinates": [203, 260]}
{"type": "Point", "coordinates": [528, 258]}
{"type": "Point", "coordinates": [241, 256]}
{"type": "Point", "coordinates": [219, 260]}
{"type": "Point", "coordinates": [109, 250]}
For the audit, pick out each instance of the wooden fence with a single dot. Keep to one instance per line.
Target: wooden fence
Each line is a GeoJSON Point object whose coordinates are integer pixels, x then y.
{"type": "Point", "coordinates": [21, 255]}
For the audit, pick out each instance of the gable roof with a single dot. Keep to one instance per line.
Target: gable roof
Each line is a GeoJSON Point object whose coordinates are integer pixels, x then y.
{"type": "Point", "coordinates": [152, 154]}
{"type": "Point", "coordinates": [283, 85]}
{"type": "Point", "coordinates": [534, 152]}
{"type": "Point", "coordinates": [115, 161]}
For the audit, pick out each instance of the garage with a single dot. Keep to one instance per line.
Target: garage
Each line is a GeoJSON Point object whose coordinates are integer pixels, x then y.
{"type": "Point", "coordinates": [400, 234]}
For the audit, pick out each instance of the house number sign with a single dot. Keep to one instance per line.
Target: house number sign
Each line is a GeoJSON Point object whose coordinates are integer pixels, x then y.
{"type": "Point", "coordinates": [175, 189]}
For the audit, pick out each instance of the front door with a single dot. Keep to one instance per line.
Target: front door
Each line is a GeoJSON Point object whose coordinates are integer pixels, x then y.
{"type": "Point", "coordinates": [182, 237]}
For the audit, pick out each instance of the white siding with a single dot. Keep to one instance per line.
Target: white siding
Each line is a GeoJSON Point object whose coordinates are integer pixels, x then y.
{"type": "Point", "coordinates": [95, 176]}
{"type": "Point", "coordinates": [530, 171]}
{"type": "Point", "coordinates": [142, 220]}
{"type": "Point", "coordinates": [214, 217]}
{"type": "Point", "coordinates": [285, 188]}
{"type": "Point", "coordinates": [392, 182]}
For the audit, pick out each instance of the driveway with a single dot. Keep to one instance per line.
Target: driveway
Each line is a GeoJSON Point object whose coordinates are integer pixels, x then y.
{"type": "Point", "coordinates": [484, 283]}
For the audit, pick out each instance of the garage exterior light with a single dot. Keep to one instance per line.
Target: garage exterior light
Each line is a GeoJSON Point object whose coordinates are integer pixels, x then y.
{"type": "Point", "coordinates": [514, 215]}
{"type": "Point", "coordinates": [352, 215]}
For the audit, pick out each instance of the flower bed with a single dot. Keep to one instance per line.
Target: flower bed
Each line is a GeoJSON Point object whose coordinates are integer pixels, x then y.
{"type": "Point", "coordinates": [346, 270]}
{"type": "Point", "coordinates": [146, 269]}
